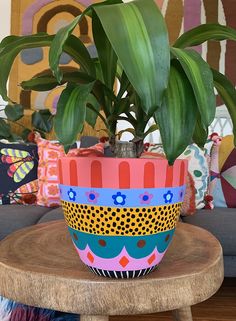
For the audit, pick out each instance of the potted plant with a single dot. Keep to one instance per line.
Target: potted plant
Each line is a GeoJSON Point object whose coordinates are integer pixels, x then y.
{"type": "Point", "coordinates": [122, 212]}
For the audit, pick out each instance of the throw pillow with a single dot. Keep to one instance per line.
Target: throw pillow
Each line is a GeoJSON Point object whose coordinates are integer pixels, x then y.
{"type": "Point", "coordinates": [49, 152]}
{"type": "Point", "coordinates": [18, 173]}
{"type": "Point", "coordinates": [222, 186]}
{"type": "Point", "coordinates": [199, 170]}
{"type": "Point", "coordinates": [189, 206]}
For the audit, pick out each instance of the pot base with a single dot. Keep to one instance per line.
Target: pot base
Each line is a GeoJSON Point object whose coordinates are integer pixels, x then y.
{"type": "Point", "coordinates": [122, 274]}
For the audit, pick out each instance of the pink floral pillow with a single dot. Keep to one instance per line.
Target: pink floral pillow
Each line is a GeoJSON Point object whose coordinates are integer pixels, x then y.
{"type": "Point", "coordinates": [49, 152]}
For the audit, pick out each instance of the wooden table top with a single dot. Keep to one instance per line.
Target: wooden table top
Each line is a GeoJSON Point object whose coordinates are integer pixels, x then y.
{"type": "Point", "coordinates": [39, 266]}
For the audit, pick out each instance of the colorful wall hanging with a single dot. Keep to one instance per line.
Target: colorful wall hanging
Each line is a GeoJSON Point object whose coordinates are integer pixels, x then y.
{"type": "Point", "coordinates": [30, 16]}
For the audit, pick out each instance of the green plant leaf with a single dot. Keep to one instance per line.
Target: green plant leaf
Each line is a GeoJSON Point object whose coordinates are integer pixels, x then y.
{"type": "Point", "coordinates": [92, 111]}
{"type": "Point", "coordinates": [5, 129]}
{"type": "Point", "coordinates": [25, 133]}
{"type": "Point", "coordinates": [14, 112]}
{"type": "Point", "coordinates": [121, 106]}
{"type": "Point", "coordinates": [71, 112]}
{"type": "Point", "coordinates": [42, 120]}
{"type": "Point", "coordinates": [177, 116]}
{"type": "Point", "coordinates": [201, 79]}
{"type": "Point", "coordinates": [124, 84]}
{"type": "Point", "coordinates": [106, 54]}
{"type": "Point", "coordinates": [8, 54]}
{"type": "Point", "coordinates": [205, 32]}
{"type": "Point", "coordinates": [12, 49]}
{"type": "Point", "coordinates": [228, 94]}
{"type": "Point", "coordinates": [140, 40]}
{"type": "Point", "coordinates": [151, 129]}
{"type": "Point", "coordinates": [200, 133]}
{"type": "Point", "coordinates": [127, 130]}
{"type": "Point", "coordinates": [64, 37]}
{"type": "Point", "coordinates": [6, 41]}
{"type": "Point", "coordinates": [14, 138]}
{"type": "Point", "coordinates": [89, 12]}
{"type": "Point", "coordinates": [47, 81]}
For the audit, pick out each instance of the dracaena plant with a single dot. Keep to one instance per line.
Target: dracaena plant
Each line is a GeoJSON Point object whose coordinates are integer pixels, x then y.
{"type": "Point", "coordinates": [171, 83]}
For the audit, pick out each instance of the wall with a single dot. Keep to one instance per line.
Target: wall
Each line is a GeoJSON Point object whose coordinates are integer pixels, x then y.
{"type": "Point", "coordinates": [5, 9]}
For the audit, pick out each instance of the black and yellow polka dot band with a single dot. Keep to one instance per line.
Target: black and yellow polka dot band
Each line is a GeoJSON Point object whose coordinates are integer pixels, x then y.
{"type": "Point", "coordinates": [102, 220]}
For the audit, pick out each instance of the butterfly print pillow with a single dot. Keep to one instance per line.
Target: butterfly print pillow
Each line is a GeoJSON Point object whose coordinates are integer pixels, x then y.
{"type": "Point", "coordinates": [18, 172]}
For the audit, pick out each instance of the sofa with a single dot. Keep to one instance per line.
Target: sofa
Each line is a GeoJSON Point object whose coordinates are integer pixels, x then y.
{"type": "Point", "coordinates": [220, 222]}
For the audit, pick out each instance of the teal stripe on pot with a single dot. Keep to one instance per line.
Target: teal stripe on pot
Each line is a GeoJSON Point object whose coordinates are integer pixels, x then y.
{"type": "Point", "coordinates": [111, 246]}
{"type": "Point", "coordinates": [136, 197]}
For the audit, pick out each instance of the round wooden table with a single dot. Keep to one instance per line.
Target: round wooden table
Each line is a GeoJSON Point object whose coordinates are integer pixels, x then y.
{"type": "Point", "coordinates": [40, 267]}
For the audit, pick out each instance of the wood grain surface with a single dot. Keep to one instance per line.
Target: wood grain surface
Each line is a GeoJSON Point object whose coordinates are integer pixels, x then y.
{"type": "Point", "coordinates": [220, 307]}
{"type": "Point", "coordinates": [39, 266]}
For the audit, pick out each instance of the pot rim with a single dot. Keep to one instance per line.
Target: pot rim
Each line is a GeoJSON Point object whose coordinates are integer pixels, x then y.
{"type": "Point", "coordinates": [118, 159]}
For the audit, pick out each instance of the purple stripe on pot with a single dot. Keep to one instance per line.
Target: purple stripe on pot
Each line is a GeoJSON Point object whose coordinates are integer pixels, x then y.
{"type": "Point", "coordinates": [122, 197]}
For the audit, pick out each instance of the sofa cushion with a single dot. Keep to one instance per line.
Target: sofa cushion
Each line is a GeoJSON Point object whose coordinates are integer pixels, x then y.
{"type": "Point", "coordinates": [198, 168]}
{"type": "Point", "coordinates": [18, 168]}
{"type": "Point", "coordinates": [55, 214]}
{"type": "Point", "coordinates": [220, 222]}
{"type": "Point", "coordinates": [88, 141]}
{"type": "Point", "coordinates": [223, 173]}
{"type": "Point", "coordinates": [15, 217]}
{"type": "Point", "coordinates": [48, 181]}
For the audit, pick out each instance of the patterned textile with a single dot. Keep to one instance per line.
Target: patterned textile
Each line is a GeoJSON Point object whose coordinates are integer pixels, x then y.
{"type": "Point", "coordinates": [222, 186]}
{"type": "Point", "coordinates": [18, 173]}
{"type": "Point", "coordinates": [49, 152]}
{"type": "Point", "coordinates": [12, 311]}
{"type": "Point", "coordinates": [188, 206]}
{"type": "Point", "coordinates": [198, 168]}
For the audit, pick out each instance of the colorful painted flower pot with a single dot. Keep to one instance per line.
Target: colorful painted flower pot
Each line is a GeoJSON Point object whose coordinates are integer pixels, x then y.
{"type": "Point", "coordinates": [121, 213]}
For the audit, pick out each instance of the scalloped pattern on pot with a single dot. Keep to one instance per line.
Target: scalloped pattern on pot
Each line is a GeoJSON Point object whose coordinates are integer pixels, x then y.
{"type": "Point", "coordinates": [108, 247]}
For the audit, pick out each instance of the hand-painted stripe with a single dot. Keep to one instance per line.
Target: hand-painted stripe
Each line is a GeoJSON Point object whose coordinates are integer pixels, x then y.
{"type": "Point", "coordinates": [123, 197]}
{"type": "Point", "coordinates": [149, 175]}
{"type": "Point", "coordinates": [124, 175]}
{"type": "Point", "coordinates": [96, 174]}
{"type": "Point", "coordinates": [182, 173]}
{"type": "Point", "coordinates": [73, 173]}
{"type": "Point", "coordinates": [115, 244]}
{"type": "Point", "coordinates": [169, 176]}
{"type": "Point", "coordinates": [60, 171]}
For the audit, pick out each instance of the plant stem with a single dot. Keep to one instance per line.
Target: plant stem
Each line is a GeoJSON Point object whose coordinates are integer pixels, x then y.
{"type": "Point", "coordinates": [99, 115]}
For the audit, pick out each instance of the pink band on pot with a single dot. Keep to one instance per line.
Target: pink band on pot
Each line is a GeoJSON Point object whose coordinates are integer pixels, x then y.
{"type": "Point", "coordinates": [123, 262]}
{"type": "Point", "coordinates": [119, 173]}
